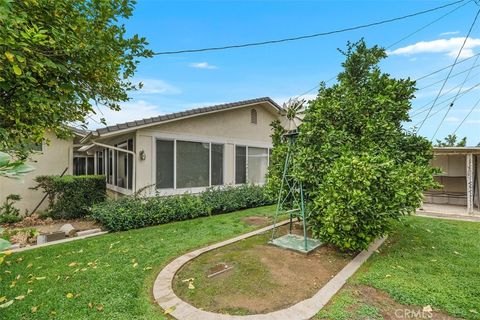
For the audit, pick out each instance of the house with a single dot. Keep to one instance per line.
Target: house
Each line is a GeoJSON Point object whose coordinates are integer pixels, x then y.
{"type": "Point", "coordinates": [54, 158]}
{"type": "Point", "coordinates": [460, 179]}
{"type": "Point", "coordinates": [189, 151]}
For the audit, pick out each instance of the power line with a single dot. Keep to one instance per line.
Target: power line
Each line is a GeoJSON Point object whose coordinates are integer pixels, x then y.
{"type": "Point", "coordinates": [267, 42]}
{"type": "Point", "coordinates": [451, 69]}
{"type": "Point", "coordinates": [440, 70]}
{"type": "Point", "coordinates": [451, 77]}
{"type": "Point", "coordinates": [441, 109]}
{"type": "Point", "coordinates": [427, 25]}
{"type": "Point", "coordinates": [397, 42]}
{"type": "Point", "coordinates": [468, 115]}
{"type": "Point", "coordinates": [454, 98]}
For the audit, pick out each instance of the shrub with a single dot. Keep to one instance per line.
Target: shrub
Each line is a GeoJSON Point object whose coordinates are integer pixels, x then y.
{"type": "Point", "coordinates": [359, 167]}
{"type": "Point", "coordinates": [72, 197]}
{"type": "Point", "coordinates": [8, 213]}
{"type": "Point", "coordinates": [132, 212]}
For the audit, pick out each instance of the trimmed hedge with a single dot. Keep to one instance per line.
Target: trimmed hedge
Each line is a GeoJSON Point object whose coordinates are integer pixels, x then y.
{"type": "Point", "coordinates": [132, 212]}
{"type": "Point", "coordinates": [72, 197]}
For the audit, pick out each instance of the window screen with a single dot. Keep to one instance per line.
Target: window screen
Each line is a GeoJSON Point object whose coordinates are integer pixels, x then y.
{"type": "Point", "coordinates": [240, 165]}
{"type": "Point", "coordinates": [257, 165]}
{"type": "Point", "coordinates": [164, 155]}
{"type": "Point", "coordinates": [192, 164]}
{"type": "Point", "coordinates": [217, 164]}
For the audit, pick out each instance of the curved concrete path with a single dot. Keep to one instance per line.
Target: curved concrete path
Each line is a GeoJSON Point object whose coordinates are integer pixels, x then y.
{"type": "Point", "coordinates": [306, 309]}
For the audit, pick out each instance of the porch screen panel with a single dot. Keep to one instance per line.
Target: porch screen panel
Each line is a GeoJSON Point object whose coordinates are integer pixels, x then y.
{"type": "Point", "coordinates": [165, 172]}
{"type": "Point", "coordinates": [257, 165]}
{"type": "Point", "coordinates": [240, 164]}
{"type": "Point", "coordinates": [90, 165]}
{"type": "Point", "coordinates": [130, 165]}
{"type": "Point", "coordinates": [217, 164]}
{"type": "Point", "coordinates": [192, 164]}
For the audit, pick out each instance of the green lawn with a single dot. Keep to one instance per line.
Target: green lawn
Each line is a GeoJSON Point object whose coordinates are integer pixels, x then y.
{"type": "Point", "coordinates": [110, 276]}
{"type": "Point", "coordinates": [426, 262]}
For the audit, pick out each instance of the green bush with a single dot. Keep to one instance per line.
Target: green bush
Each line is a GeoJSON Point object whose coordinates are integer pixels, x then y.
{"type": "Point", "coordinates": [132, 212]}
{"type": "Point", "coordinates": [72, 197]}
{"type": "Point", "coordinates": [8, 212]}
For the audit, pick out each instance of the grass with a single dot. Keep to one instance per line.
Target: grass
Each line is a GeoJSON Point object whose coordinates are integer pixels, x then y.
{"type": "Point", "coordinates": [425, 262]}
{"type": "Point", "coordinates": [110, 276]}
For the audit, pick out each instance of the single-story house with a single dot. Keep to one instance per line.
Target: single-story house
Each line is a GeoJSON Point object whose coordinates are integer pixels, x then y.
{"type": "Point", "coordinates": [460, 177]}
{"type": "Point", "coordinates": [188, 151]}
{"type": "Point", "coordinates": [55, 158]}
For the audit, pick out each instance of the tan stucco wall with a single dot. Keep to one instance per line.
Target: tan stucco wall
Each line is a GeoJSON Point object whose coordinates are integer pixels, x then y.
{"type": "Point", "coordinates": [52, 160]}
{"type": "Point", "coordinates": [229, 127]}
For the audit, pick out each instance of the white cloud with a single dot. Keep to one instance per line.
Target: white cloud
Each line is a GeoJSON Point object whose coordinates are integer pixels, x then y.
{"type": "Point", "coordinates": [452, 120]}
{"type": "Point", "coordinates": [472, 121]}
{"type": "Point", "coordinates": [130, 111]}
{"type": "Point", "coordinates": [202, 65]}
{"type": "Point", "coordinates": [156, 86]}
{"type": "Point", "coordinates": [449, 33]}
{"type": "Point", "coordinates": [449, 46]}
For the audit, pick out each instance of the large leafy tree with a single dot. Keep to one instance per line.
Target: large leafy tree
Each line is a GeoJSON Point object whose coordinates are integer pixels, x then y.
{"type": "Point", "coordinates": [59, 61]}
{"type": "Point", "coordinates": [452, 141]}
{"type": "Point", "coordinates": [360, 168]}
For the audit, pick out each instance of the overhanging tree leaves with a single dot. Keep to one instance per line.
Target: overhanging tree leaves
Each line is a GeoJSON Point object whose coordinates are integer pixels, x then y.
{"type": "Point", "coordinates": [57, 60]}
{"type": "Point", "coordinates": [359, 167]}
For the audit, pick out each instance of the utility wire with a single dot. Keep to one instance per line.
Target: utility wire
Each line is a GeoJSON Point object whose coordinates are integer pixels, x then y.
{"type": "Point", "coordinates": [427, 25]}
{"type": "Point", "coordinates": [441, 109]}
{"type": "Point", "coordinates": [451, 77]}
{"type": "Point", "coordinates": [454, 98]}
{"type": "Point", "coordinates": [451, 69]}
{"type": "Point", "coordinates": [468, 115]}
{"type": "Point", "coordinates": [267, 42]}
{"type": "Point", "coordinates": [424, 108]}
{"type": "Point", "coordinates": [440, 70]}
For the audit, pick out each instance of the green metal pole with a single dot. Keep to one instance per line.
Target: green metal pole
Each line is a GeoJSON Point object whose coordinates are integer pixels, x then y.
{"type": "Point", "coordinates": [302, 206]}
{"type": "Point", "coordinates": [279, 201]}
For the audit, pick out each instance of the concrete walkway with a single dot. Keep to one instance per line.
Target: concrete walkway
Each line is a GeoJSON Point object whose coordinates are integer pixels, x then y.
{"type": "Point", "coordinates": [449, 212]}
{"type": "Point", "coordinates": [306, 309]}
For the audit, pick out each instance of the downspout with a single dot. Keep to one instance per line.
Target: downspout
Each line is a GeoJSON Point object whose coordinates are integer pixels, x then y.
{"type": "Point", "coordinates": [134, 182]}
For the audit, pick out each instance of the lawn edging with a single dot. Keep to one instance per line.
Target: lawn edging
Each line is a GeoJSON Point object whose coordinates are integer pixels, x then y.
{"type": "Point", "coordinates": [167, 299]}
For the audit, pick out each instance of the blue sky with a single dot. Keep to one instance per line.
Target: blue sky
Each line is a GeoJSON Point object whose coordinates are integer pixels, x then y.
{"type": "Point", "coordinates": [183, 81]}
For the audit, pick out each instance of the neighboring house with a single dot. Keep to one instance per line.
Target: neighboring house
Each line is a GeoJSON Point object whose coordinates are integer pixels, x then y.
{"type": "Point", "coordinates": [460, 177]}
{"type": "Point", "coordinates": [52, 159]}
{"type": "Point", "coordinates": [189, 151]}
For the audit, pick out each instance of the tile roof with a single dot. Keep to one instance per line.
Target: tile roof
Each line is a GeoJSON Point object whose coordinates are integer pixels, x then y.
{"type": "Point", "coordinates": [181, 114]}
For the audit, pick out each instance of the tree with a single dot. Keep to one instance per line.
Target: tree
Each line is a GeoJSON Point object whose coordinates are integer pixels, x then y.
{"type": "Point", "coordinates": [59, 59]}
{"type": "Point", "coordinates": [451, 141]}
{"type": "Point", "coordinates": [360, 169]}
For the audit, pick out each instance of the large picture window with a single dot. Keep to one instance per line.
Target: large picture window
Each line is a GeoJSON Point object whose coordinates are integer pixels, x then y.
{"type": "Point", "coordinates": [188, 164]}
{"type": "Point", "coordinates": [251, 164]}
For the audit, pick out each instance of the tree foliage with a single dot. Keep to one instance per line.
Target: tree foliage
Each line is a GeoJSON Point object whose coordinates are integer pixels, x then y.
{"type": "Point", "coordinates": [451, 141]}
{"type": "Point", "coordinates": [57, 60]}
{"type": "Point", "coordinates": [359, 167]}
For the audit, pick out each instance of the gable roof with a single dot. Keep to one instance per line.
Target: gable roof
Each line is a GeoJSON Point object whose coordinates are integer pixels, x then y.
{"type": "Point", "coordinates": [132, 125]}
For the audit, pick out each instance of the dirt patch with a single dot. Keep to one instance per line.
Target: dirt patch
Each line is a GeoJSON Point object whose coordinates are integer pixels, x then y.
{"type": "Point", "coordinates": [389, 308]}
{"type": "Point", "coordinates": [257, 220]}
{"type": "Point", "coordinates": [265, 278]}
{"type": "Point", "coordinates": [79, 225]}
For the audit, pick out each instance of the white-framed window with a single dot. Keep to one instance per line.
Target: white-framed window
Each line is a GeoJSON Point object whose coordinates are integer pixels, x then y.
{"type": "Point", "coordinates": [187, 164]}
{"type": "Point", "coordinates": [251, 164]}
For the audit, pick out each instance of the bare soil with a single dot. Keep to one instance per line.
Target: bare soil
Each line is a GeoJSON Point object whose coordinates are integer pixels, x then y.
{"type": "Point", "coordinates": [265, 278]}
{"type": "Point", "coordinates": [390, 309]}
{"type": "Point", "coordinates": [257, 220]}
